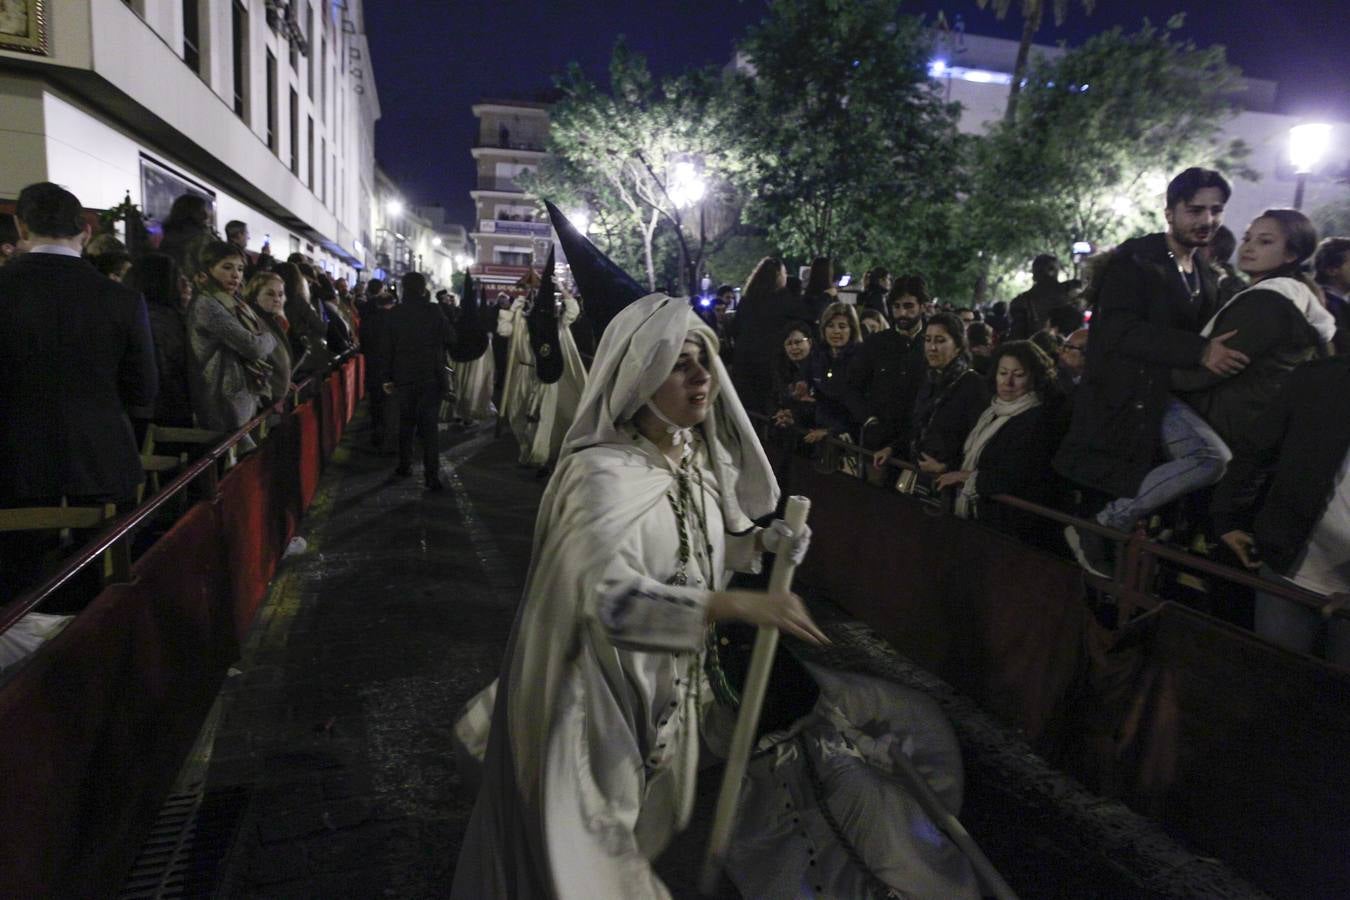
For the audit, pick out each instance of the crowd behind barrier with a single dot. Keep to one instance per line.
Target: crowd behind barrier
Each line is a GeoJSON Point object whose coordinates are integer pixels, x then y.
{"type": "Point", "coordinates": [98, 720]}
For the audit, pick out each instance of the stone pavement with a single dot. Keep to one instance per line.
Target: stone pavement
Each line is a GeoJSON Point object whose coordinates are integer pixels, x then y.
{"type": "Point", "coordinates": [339, 721]}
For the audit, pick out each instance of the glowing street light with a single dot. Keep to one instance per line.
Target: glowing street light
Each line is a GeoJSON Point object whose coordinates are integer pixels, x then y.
{"type": "Point", "coordinates": [1308, 143]}
{"type": "Point", "coordinates": [580, 219]}
{"type": "Point", "coordinates": [686, 185]}
{"type": "Point", "coordinates": [394, 207]}
{"type": "Point", "coordinates": [436, 242]}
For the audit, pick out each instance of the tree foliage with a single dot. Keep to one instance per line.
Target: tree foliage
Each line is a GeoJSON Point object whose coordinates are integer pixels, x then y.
{"type": "Point", "coordinates": [615, 150]}
{"type": "Point", "coordinates": [1096, 136]}
{"type": "Point", "coordinates": [1033, 14]}
{"type": "Point", "coordinates": [852, 151]}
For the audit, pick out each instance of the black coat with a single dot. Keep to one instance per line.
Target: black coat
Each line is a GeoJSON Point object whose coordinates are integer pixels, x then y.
{"type": "Point", "coordinates": [757, 329]}
{"type": "Point", "coordinates": [78, 352]}
{"type": "Point", "coordinates": [173, 407]}
{"type": "Point", "coordinates": [943, 417]}
{"type": "Point", "coordinates": [1284, 467]}
{"type": "Point", "coordinates": [1016, 461]}
{"type": "Point", "coordinates": [1145, 325]}
{"type": "Point", "coordinates": [838, 407]}
{"type": "Point", "coordinates": [374, 324]}
{"type": "Point", "coordinates": [1275, 336]}
{"type": "Point", "coordinates": [887, 374]}
{"type": "Point", "coordinates": [415, 341]}
{"type": "Point", "coordinates": [1029, 310]}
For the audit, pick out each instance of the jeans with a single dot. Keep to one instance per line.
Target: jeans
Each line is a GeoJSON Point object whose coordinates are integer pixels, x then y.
{"type": "Point", "coordinates": [1197, 459]}
{"type": "Point", "coordinates": [1297, 627]}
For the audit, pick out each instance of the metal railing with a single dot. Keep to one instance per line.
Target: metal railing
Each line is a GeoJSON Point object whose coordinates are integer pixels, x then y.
{"type": "Point", "coordinates": [123, 527]}
{"type": "Point", "coordinates": [1137, 557]}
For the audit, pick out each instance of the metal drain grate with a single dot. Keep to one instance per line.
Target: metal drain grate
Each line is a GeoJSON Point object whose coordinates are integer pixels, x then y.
{"type": "Point", "coordinates": [183, 854]}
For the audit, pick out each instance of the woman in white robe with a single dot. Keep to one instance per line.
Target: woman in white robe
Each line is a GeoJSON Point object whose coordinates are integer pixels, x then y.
{"type": "Point", "coordinates": [591, 763]}
{"type": "Point", "coordinates": [556, 403]}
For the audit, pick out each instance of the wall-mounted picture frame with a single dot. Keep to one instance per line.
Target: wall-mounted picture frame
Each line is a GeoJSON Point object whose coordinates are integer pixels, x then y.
{"type": "Point", "coordinates": [23, 26]}
{"type": "Point", "coordinates": [161, 185]}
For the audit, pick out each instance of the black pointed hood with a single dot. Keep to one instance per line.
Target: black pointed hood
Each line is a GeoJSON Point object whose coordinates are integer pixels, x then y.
{"type": "Point", "coordinates": [543, 325]}
{"type": "Point", "coordinates": [605, 288]}
{"type": "Point", "coordinates": [471, 338]}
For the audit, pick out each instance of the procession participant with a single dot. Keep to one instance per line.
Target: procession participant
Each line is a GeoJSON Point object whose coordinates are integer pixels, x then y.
{"type": "Point", "coordinates": [475, 369]}
{"type": "Point", "coordinates": [558, 367]}
{"type": "Point", "coordinates": [591, 763]}
{"type": "Point", "coordinates": [521, 387]}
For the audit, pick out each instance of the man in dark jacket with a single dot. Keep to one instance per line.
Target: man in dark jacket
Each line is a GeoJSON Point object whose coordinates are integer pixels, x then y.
{"type": "Point", "coordinates": [1153, 299]}
{"type": "Point", "coordinates": [1297, 457]}
{"type": "Point", "coordinates": [1030, 310]}
{"type": "Point", "coordinates": [411, 366]}
{"type": "Point", "coordinates": [374, 323]}
{"type": "Point", "coordinates": [889, 369]}
{"type": "Point", "coordinates": [876, 286]}
{"type": "Point", "coordinates": [78, 353]}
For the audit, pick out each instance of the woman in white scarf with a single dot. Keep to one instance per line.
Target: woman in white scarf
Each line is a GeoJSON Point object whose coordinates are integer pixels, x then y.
{"type": "Point", "coordinates": [590, 766]}
{"type": "Point", "coordinates": [1008, 451]}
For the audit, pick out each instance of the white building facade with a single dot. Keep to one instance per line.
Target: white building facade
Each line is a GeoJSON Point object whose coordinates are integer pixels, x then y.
{"type": "Point", "coordinates": [267, 107]}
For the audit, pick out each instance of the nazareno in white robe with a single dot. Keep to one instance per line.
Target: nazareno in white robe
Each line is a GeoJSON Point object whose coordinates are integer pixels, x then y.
{"type": "Point", "coordinates": [590, 766]}
{"type": "Point", "coordinates": [540, 414]}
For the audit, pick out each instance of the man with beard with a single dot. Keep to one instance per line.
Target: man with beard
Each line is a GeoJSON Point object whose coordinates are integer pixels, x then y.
{"type": "Point", "coordinates": [1153, 299]}
{"type": "Point", "coordinates": [889, 368]}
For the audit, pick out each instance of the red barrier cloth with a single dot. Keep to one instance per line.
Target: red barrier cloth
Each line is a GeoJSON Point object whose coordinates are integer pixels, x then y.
{"type": "Point", "coordinates": [309, 451]}
{"type": "Point", "coordinates": [360, 377]}
{"type": "Point", "coordinates": [1005, 624]}
{"type": "Point", "coordinates": [328, 416]}
{"type": "Point", "coordinates": [350, 385]}
{"type": "Point", "coordinates": [97, 722]}
{"type": "Point", "coordinates": [256, 526]}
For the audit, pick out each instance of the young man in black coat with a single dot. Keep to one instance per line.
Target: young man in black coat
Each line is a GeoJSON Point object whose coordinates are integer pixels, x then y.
{"type": "Point", "coordinates": [411, 366]}
{"type": "Point", "coordinates": [1153, 299]}
{"type": "Point", "coordinates": [1287, 495]}
{"type": "Point", "coordinates": [889, 369]}
{"type": "Point", "coordinates": [78, 353]}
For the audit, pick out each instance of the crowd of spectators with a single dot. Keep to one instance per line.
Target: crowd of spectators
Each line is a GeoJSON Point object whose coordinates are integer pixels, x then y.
{"type": "Point", "coordinates": [1154, 395]}
{"type": "Point", "coordinates": [197, 332]}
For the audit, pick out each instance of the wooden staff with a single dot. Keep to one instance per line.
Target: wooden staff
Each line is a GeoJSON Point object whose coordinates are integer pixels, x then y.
{"type": "Point", "coordinates": [752, 700]}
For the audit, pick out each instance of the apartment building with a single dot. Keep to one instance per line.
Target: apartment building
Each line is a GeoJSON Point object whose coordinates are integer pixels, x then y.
{"type": "Point", "coordinates": [266, 107]}
{"type": "Point", "coordinates": [511, 229]}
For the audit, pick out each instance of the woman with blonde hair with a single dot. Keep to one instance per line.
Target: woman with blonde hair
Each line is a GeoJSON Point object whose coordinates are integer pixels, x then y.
{"type": "Point", "coordinates": [266, 293]}
{"type": "Point", "coordinates": [839, 408]}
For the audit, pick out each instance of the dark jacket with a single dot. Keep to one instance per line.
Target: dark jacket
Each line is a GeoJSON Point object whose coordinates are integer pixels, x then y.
{"type": "Point", "coordinates": [415, 341]}
{"type": "Point", "coordinates": [757, 328]}
{"type": "Point", "coordinates": [887, 374]}
{"type": "Point", "coordinates": [838, 407]}
{"type": "Point", "coordinates": [1275, 336]}
{"type": "Point", "coordinates": [168, 325]}
{"type": "Point", "coordinates": [1285, 466]}
{"type": "Point", "coordinates": [1029, 310]}
{"type": "Point", "coordinates": [374, 324]}
{"type": "Point", "coordinates": [874, 298]}
{"type": "Point", "coordinates": [1145, 325]}
{"type": "Point", "coordinates": [815, 304]}
{"type": "Point", "coordinates": [787, 373]}
{"type": "Point", "coordinates": [77, 351]}
{"type": "Point", "coordinates": [1016, 461]}
{"type": "Point", "coordinates": [943, 416]}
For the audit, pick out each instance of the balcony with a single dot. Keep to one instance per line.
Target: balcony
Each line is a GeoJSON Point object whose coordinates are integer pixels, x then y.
{"type": "Point", "coordinates": [524, 142]}
{"type": "Point", "coordinates": [515, 229]}
{"type": "Point", "coordinates": [493, 183]}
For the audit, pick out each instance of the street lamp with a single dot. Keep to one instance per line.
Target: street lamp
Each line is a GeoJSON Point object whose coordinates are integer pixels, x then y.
{"type": "Point", "coordinates": [394, 207]}
{"type": "Point", "coordinates": [1308, 143]}
{"type": "Point", "coordinates": [686, 184]}
{"type": "Point", "coordinates": [580, 219]}
{"type": "Point", "coordinates": [436, 242]}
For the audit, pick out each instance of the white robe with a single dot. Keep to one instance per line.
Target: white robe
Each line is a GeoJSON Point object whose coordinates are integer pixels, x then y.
{"type": "Point", "coordinates": [473, 388]}
{"type": "Point", "coordinates": [557, 403]}
{"type": "Point", "coordinates": [521, 387]}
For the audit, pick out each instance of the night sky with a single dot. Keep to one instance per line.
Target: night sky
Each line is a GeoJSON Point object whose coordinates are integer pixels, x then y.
{"type": "Point", "coordinates": [433, 59]}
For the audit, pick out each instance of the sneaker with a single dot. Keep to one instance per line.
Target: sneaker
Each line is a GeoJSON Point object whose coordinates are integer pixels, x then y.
{"type": "Point", "coordinates": [1091, 550]}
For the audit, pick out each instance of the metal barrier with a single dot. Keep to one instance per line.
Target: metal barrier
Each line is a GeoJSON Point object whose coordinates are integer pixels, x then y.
{"type": "Point", "coordinates": [1132, 585]}
{"type": "Point", "coordinates": [122, 528]}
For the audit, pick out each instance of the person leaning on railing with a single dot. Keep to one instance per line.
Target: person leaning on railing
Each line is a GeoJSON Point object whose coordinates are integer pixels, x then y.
{"type": "Point", "coordinates": [266, 293]}
{"type": "Point", "coordinates": [1009, 449]}
{"type": "Point", "coordinates": [229, 344]}
{"type": "Point", "coordinates": [839, 408]}
{"type": "Point", "coordinates": [1298, 528]}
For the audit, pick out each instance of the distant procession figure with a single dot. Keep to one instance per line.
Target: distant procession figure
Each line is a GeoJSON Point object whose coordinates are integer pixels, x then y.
{"type": "Point", "coordinates": [473, 389]}
{"type": "Point", "coordinates": [540, 414]}
{"type": "Point", "coordinates": [521, 388]}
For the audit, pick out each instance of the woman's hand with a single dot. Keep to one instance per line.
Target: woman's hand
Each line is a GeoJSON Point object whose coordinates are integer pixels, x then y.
{"type": "Point", "coordinates": [930, 466]}
{"type": "Point", "coordinates": [784, 611]}
{"type": "Point", "coordinates": [879, 458]}
{"type": "Point", "coordinates": [783, 418]}
{"type": "Point", "coordinates": [816, 435]}
{"type": "Point", "coordinates": [801, 392]}
{"type": "Point", "coordinates": [952, 479]}
{"type": "Point", "coordinates": [1243, 546]}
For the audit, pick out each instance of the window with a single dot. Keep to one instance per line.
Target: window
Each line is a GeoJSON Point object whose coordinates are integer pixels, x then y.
{"type": "Point", "coordinates": [309, 154]}
{"type": "Point", "coordinates": [272, 142]}
{"type": "Point", "coordinates": [239, 35]}
{"type": "Point", "coordinates": [192, 36]}
{"type": "Point", "coordinates": [323, 168]}
{"type": "Point", "coordinates": [295, 134]}
{"type": "Point", "coordinates": [323, 79]}
{"type": "Point", "coordinates": [309, 39]}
